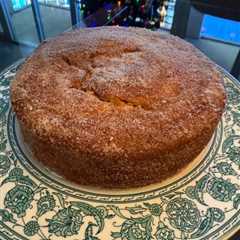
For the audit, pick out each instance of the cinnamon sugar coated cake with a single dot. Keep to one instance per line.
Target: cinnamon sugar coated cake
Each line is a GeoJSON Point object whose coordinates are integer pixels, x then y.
{"type": "Point", "coordinates": [117, 107]}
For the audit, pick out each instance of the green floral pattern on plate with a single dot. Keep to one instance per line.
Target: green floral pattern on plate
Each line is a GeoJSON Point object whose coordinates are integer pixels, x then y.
{"type": "Point", "coordinates": [202, 205]}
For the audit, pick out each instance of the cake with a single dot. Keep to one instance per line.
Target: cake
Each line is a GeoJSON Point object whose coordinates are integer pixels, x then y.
{"type": "Point", "coordinates": [117, 107]}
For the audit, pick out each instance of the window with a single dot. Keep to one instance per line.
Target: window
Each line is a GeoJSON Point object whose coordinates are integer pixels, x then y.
{"type": "Point", "coordinates": [221, 29]}
{"type": "Point", "coordinates": [20, 4]}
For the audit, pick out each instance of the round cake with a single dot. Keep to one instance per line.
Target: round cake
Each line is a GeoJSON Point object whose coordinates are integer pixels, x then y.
{"type": "Point", "coordinates": [117, 107]}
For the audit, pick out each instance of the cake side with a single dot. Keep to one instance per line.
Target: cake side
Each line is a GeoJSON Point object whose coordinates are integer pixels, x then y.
{"type": "Point", "coordinates": [112, 103]}
{"type": "Point", "coordinates": [115, 171]}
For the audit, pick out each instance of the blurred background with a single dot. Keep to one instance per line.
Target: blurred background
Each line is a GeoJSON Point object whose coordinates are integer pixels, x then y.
{"type": "Point", "coordinates": [211, 25]}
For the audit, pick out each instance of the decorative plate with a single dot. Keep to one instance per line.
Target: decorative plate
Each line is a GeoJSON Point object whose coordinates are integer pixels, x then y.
{"type": "Point", "coordinates": [202, 202]}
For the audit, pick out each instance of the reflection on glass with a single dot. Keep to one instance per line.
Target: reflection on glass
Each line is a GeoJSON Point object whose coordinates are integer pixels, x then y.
{"type": "Point", "coordinates": [103, 16]}
{"type": "Point", "coordinates": [56, 3]}
{"type": "Point", "coordinates": [1, 29]}
{"type": "Point", "coordinates": [168, 18]}
{"type": "Point", "coordinates": [20, 4]}
{"type": "Point", "coordinates": [23, 21]}
{"type": "Point", "coordinates": [56, 17]}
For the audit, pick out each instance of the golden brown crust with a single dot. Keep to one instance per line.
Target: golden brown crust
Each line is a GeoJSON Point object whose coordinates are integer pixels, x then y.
{"type": "Point", "coordinates": [105, 106]}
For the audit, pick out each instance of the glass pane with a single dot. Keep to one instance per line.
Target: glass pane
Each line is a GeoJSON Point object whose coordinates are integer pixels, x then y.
{"type": "Point", "coordinates": [141, 13]}
{"type": "Point", "coordinates": [220, 28]}
{"type": "Point", "coordinates": [105, 15]}
{"type": "Point", "coordinates": [167, 16]}
{"type": "Point", "coordinates": [56, 3]}
{"type": "Point", "coordinates": [23, 21]}
{"type": "Point", "coordinates": [20, 4]}
{"type": "Point", "coordinates": [1, 29]}
{"type": "Point", "coordinates": [56, 16]}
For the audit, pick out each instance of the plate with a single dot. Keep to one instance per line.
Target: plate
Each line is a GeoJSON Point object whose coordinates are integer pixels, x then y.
{"type": "Point", "coordinates": [201, 202]}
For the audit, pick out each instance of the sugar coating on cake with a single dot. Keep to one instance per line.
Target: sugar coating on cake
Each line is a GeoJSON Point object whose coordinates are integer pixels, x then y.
{"type": "Point", "coordinates": [117, 107]}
